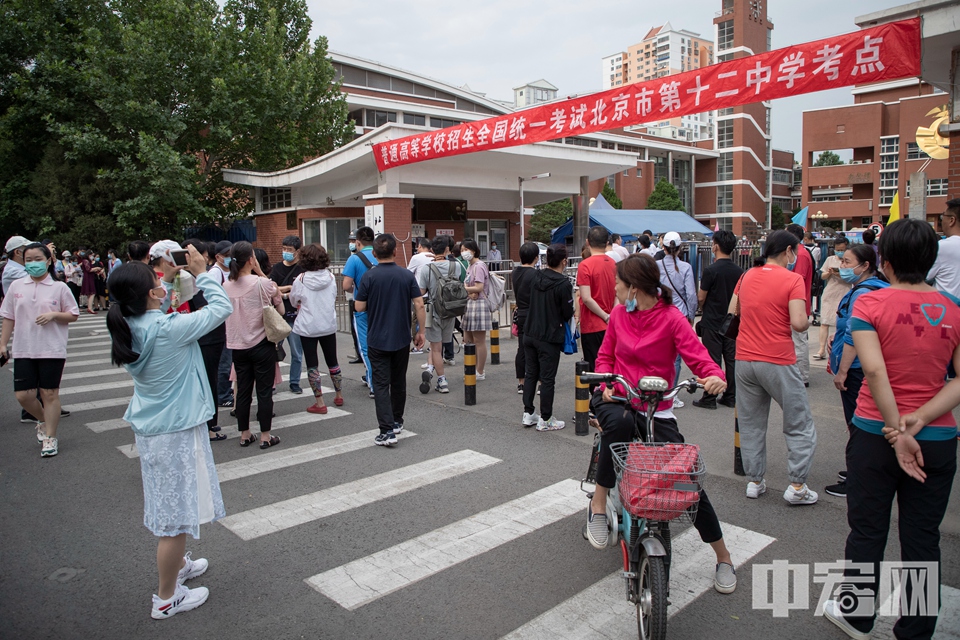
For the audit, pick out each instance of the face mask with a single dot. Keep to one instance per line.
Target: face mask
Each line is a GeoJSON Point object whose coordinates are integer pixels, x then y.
{"type": "Point", "coordinates": [353, 247]}
{"type": "Point", "coordinates": [35, 269]}
{"type": "Point", "coordinates": [493, 248]}
{"type": "Point", "coordinates": [849, 275]}
{"type": "Point", "coordinates": [791, 265]}
{"type": "Point", "coordinates": [288, 256]}
{"type": "Point", "coordinates": [839, 254]}
{"type": "Point", "coordinates": [227, 261]}
{"type": "Point", "coordinates": [630, 304]}
{"type": "Point", "coordinates": [467, 255]}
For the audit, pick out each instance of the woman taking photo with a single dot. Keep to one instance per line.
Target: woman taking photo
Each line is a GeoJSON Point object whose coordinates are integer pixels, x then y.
{"type": "Point", "coordinates": [40, 307]}
{"type": "Point", "coordinates": [522, 279]}
{"type": "Point", "coordinates": [647, 333]}
{"type": "Point", "coordinates": [314, 292]}
{"type": "Point", "coordinates": [858, 268]}
{"type": "Point", "coordinates": [771, 301]}
{"type": "Point", "coordinates": [905, 336]}
{"type": "Point", "coordinates": [477, 320]}
{"type": "Point", "coordinates": [168, 413]}
{"type": "Point", "coordinates": [551, 307]}
{"type": "Point", "coordinates": [254, 357]}
{"type": "Point", "coordinates": [834, 289]}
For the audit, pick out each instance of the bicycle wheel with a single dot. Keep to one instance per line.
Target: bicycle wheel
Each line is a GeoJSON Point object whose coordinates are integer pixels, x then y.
{"type": "Point", "coordinates": [652, 599]}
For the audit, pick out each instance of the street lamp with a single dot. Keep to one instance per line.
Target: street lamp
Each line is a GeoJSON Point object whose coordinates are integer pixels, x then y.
{"type": "Point", "coordinates": [819, 216]}
{"type": "Point", "coordinates": [521, 181]}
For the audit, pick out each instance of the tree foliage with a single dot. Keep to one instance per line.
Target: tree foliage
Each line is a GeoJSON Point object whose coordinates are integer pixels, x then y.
{"type": "Point", "coordinates": [547, 217]}
{"type": "Point", "coordinates": [118, 117]}
{"type": "Point", "coordinates": [827, 159]}
{"type": "Point", "coordinates": [610, 195]}
{"type": "Point", "coordinates": [665, 197]}
{"type": "Point", "coordinates": [777, 219]}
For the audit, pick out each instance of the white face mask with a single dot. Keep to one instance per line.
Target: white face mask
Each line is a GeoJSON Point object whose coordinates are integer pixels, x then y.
{"type": "Point", "coordinates": [467, 255]}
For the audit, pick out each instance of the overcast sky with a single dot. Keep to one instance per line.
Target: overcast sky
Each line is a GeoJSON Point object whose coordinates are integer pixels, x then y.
{"type": "Point", "coordinates": [495, 45]}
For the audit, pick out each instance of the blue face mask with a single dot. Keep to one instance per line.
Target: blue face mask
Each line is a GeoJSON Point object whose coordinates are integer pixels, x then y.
{"type": "Point", "coordinates": [630, 304]}
{"type": "Point", "coordinates": [839, 254]}
{"type": "Point", "coordinates": [35, 269]}
{"type": "Point", "coordinates": [848, 275]}
{"type": "Point", "coordinates": [353, 247]}
{"type": "Point", "coordinates": [287, 256]}
{"type": "Point", "coordinates": [227, 261]}
{"type": "Point", "coordinates": [791, 265]}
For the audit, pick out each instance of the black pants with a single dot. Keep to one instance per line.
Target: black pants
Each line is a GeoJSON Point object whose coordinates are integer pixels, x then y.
{"type": "Point", "coordinates": [327, 344]}
{"type": "Point", "coordinates": [75, 290]}
{"type": "Point", "coordinates": [849, 397]}
{"type": "Point", "coordinates": [255, 365]}
{"type": "Point", "coordinates": [388, 371]}
{"type": "Point", "coordinates": [618, 426]}
{"type": "Point", "coordinates": [591, 347]}
{"type": "Point", "coordinates": [542, 361]}
{"type": "Point", "coordinates": [211, 363]}
{"type": "Point", "coordinates": [875, 479]}
{"type": "Point", "coordinates": [353, 328]}
{"type": "Point", "coordinates": [721, 347]}
{"type": "Point", "coordinates": [520, 364]}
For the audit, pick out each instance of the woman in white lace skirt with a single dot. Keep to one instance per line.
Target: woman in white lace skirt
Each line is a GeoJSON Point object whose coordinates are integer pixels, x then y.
{"type": "Point", "coordinates": [168, 412]}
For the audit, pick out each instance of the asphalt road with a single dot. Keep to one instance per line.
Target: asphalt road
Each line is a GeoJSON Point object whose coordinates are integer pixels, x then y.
{"type": "Point", "coordinates": [467, 529]}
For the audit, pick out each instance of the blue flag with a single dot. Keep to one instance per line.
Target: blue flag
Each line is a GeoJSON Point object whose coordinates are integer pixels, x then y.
{"type": "Point", "coordinates": [800, 218]}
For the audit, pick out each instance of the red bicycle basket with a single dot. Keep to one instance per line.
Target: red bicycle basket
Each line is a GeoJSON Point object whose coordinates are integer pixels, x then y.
{"type": "Point", "coordinates": [659, 481]}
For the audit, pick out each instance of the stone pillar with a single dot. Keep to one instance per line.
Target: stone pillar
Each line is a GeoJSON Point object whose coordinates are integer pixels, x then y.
{"type": "Point", "coordinates": [918, 197]}
{"type": "Point", "coordinates": [397, 211]}
{"type": "Point", "coordinates": [581, 215]}
{"type": "Point", "coordinates": [670, 167]}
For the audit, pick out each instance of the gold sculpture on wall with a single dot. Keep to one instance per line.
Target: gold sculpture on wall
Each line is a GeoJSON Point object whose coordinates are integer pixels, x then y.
{"type": "Point", "coordinates": [929, 139]}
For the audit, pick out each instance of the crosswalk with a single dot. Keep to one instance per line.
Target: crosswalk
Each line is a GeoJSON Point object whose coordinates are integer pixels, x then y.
{"type": "Point", "coordinates": [598, 611]}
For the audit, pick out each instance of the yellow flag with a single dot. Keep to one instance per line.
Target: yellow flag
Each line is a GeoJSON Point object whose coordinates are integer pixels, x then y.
{"type": "Point", "coordinates": [894, 208]}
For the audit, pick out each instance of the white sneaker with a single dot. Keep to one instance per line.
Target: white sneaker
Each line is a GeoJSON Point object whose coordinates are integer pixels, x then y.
{"type": "Point", "coordinates": [481, 376]}
{"type": "Point", "coordinates": [831, 611]}
{"type": "Point", "coordinates": [803, 495]}
{"type": "Point", "coordinates": [191, 568]}
{"type": "Point", "coordinates": [451, 361]}
{"type": "Point", "coordinates": [550, 425]}
{"type": "Point", "coordinates": [530, 419]}
{"type": "Point", "coordinates": [442, 386]}
{"type": "Point", "coordinates": [425, 365]}
{"type": "Point", "coordinates": [49, 448]}
{"type": "Point", "coordinates": [756, 489]}
{"type": "Point", "coordinates": [677, 403]}
{"type": "Point", "coordinates": [184, 599]}
{"type": "Point", "coordinates": [40, 433]}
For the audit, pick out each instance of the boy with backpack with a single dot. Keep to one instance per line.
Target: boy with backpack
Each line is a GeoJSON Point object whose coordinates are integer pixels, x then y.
{"type": "Point", "coordinates": [439, 280]}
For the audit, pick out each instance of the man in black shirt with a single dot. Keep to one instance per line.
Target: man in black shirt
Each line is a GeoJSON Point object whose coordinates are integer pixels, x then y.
{"type": "Point", "coordinates": [385, 293]}
{"type": "Point", "coordinates": [716, 289]}
{"type": "Point", "coordinates": [284, 273]}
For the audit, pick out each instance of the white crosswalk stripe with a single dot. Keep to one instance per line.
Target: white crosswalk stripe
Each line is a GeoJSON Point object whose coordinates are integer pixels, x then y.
{"type": "Point", "coordinates": [100, 386]}
{"type": "Point", "coordinates": [363, 581]}
{"type": "Point", "coordinates": [111, 371]}
{"type": "Point", "coordinates": [79, 354]}
{"type": "Point", "coordinates": [603, 606]}
{"type": "Point", "coordinates": [328, 502]}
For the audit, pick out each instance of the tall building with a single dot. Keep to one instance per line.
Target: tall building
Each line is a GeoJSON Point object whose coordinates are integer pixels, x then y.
{"type": "Point", "coordinates": [740, 196]}
{"type": "Point", "coordinates": [532, 93]}
{"type": "Point", "coordinates": [662, 52]}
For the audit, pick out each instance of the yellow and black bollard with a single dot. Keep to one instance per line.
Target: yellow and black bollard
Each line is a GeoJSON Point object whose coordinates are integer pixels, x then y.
{"type": "Point", "coordinates": [495, 343]}
{"type": "Point", "coordinates": [469, 374]}
{"type": "Point", "coordinates": [737, 459]}
{"type": "Point", "coordinates": [582, 406]}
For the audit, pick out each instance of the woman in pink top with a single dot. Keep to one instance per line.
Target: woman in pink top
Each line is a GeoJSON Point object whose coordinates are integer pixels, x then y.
{"type": "Point", "coordinates": [646, 334]}
{"type": "Point", "coordinates": [254, 357]}
{"type": "Point", "coordinates": [42, 307]}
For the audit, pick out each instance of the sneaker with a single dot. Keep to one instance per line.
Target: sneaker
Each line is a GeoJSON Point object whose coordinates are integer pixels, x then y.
{"type": "Point", "coordinates": [363, 378]}
{"type": "Point", "coordinates": [597, 529]}
{"type": "Point", "coordinates": [397, 428]}
{"type": "Point", "coordinates": [41, 436]}
{"type": "Point", "coordinates": [295, 388]}
{"type": "Point", "coordinates": [705, 403]}
{"type": "Point", "coordinates": [481, 376]}
{"type": "Point", "coordinates": [442, 385]}
{"type": "Point", "coordinates": [725, 578]}
{"type": "Point", "coordinates": [550, 425]}
{"type": "Point", "coordinates": [184, 599]}
{"type": "Point", "coordinates": [29, 420]}
{"type": "Point", "coordinates": [519, 389]}
{"type": "Point", "coordinates": [841, 476]}
{"type": "Point", "coordinates": [415, 350]}
{"type": "Point", "coordinates": [803, 495]}
{"type": "Point", "coordinates": [727, 402]}
{"type": "Point", "coordinates": [227, 403]}
{"type": "Point", "coordinates": [756, 489]}
{"type": "Point", "coordinates": [64, 413]}
{"type": "Point", "coordinates": [538, 389]}
{"type": "Point", "coordinates": [425, 365]}
{"type": "Point", "coordinates": [385, 439]}
{"type": "Point", "coordinates": [831, 611]}
{"type": "Point", "coordinates": [677, 403]}
{"type": "Point", "coordinates": [49, 448]}
{"type": "Point", "coordinates": [191, 568]}
{"type": "Point", "coordinates": [426, 377]}
{"type": "Point", "coordinates": [839, 490]}
{"type": "Point", "coordinates": [450, 361]}
{"type": "Point", "coordinates": [530, 419]}
{"type": "Point", "coordinates": [370, 395]}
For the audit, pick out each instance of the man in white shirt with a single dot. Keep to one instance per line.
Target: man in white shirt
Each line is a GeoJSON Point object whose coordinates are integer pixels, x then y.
{"type": "Point", "coordinates": [421, 257]}
{"type": "Point", "coordinates": [617, 243]}
{"type": "Point", "coordinates": [494, 257]}
{"type": "Point", "coordinates": [945, 272]}
{"type": "Point", "coordinates": [14, 269]}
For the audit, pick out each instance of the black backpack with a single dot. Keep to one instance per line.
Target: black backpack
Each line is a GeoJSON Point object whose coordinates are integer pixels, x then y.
{"type": "Point", "coordinates": [450, 297]}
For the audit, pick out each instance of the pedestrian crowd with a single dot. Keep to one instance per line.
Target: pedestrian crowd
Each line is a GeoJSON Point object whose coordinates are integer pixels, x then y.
{"type": "Point", "coordinates": [199, 325]}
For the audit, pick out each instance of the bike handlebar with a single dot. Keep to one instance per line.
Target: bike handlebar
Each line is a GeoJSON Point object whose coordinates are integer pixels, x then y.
{"type": "Point", "coordinates": [648, 388]}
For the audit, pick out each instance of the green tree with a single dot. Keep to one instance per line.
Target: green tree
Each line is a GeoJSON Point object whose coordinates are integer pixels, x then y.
{"type": "Point", "coordinates": [610, 195]}
{"type": "Point", "coordinates": [777, 219]}
{"type": "Point", "coordinates": [665, 197]}
{"type": "Point", "coordinates": [827, 159]}
{"type": "Point", "coordinates": [547, 217]}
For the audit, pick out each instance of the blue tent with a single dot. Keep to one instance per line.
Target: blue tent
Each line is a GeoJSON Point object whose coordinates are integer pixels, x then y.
{"type": "Point", "coordinates": [630, 223]}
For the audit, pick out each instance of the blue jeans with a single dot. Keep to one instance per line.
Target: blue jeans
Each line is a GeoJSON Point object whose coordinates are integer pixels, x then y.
{"type": "Point", "coordinates": [224, 387]}
{"type": "Point", "coordinates": [296, 356]}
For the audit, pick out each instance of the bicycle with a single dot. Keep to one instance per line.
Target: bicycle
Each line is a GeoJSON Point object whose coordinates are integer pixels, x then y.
{"type": "Point", "coordinates": [649, 494]}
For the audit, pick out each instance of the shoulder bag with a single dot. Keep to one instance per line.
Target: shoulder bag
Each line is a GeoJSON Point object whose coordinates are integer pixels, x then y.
{"type": "Point", "coordinates": [275, 326]}
{"type": "Point", "coordinates": [730, 327]}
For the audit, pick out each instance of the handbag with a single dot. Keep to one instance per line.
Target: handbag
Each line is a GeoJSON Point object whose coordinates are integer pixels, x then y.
{"type": "Point", "coordinates": [514, 327]}
{"type": "Point", "coordinates": [730, 327]}
{"type": "Point", "coordinates": [281, 353]}
{"type": "Point", "coordinates": [570, 336]}
{"type": "Point", "coordinates": [275, 326]}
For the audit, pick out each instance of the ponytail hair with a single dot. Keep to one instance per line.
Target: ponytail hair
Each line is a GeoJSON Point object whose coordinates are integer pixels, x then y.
{"type": "Point", "coordinates": [130, 285]}
{"type": "Point", "coordinates": [641, 272]}
{"type": "Point", "coordinates": [240, 254]}
{"type": "Point", "coordinates": [778, 242]}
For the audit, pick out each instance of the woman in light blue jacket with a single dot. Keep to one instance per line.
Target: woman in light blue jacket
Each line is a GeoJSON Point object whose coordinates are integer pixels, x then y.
{"type": "Point", "coordinates": [168, 412]}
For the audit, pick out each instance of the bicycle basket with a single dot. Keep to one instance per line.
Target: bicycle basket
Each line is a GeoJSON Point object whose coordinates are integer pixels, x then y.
{"type": "Point", "coordinates": [659, 481]}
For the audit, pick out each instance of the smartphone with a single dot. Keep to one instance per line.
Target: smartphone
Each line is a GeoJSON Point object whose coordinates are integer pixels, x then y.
{"type": "Point", "coordinates": [179, 257]}
{"type": "Point", "coordinates": [3, 360]}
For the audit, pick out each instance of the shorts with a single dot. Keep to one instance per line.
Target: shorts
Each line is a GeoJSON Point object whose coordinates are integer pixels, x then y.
{"type": "Point", "coordinates": [441, 331]}
{"type": "Point", "coordinates": [37, 373]}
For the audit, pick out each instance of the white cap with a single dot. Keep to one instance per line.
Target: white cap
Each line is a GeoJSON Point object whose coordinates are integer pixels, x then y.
{"type": "Point", "coordinates": [672, 238]}
{"type": "Point", "coordinates": [15, 243]}
{"type": "Point", "coordinates": [65, 254]}
{"type": "Point", "coordinates": [163, 248]}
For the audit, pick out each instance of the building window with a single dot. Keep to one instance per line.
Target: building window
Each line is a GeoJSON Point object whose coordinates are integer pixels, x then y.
{"type": "Point", "coordinates": [725, 166]}
{"type": "Point", "coordinates": [442, 123]}
{"type": "Point", "coordinates": [727, 111]}
{"type": "Point", "coordinates": [725, 134]}
{"type": "Point", "coordinates": [275, 198]}
{"type": "Point", "coordinates": [415, 118]}
{"type": "Point", "coordinates": [841, 128]}
{"type": "Point", "coordinates": [659, 169]}
{"type": "Point", "coordinates": [914, 153]}
{"type": "Point", "coordinates": [380, 118]}
{"type": "Point", "coordinates": [890, 144]}
{"type": "Point", "coordinates": [726, 224]}
{"type": "Point", "coordinates": [581, 142]}
{"type": "Point", "coordinates": [725, 198]}
{"type": "Point", "coordinates": [612, 181]}
{"type": "Point", "coordinates": [639, 172]}
{"type": "Point", "coordinates": [886, 197]}
{"type": "Point", "coordinates": [783, 176]}
{"type": "Point", "coordinates": [628, 147]}
{"type": "Point", "coordinates": [889, 180]}
{"type": "Point", "coordinates": [607, 145]}
{"type": "Point", "coordinates": [936, 187]}
{"type": "Point", "coordinates": [725, 35]}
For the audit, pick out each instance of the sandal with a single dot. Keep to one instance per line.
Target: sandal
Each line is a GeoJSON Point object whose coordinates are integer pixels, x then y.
{"type": "Point", "coordinates": [217, 436]}
{"type": "Point", "coordinates": [338, 402]}
{"type": "Point", "coordinates": [247, 443]}
{"type": "Point", "coordinates": [272, 442]}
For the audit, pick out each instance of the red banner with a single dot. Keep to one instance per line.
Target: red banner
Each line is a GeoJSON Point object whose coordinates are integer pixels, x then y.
{"type": "Point", "coordinates": [886, 52]}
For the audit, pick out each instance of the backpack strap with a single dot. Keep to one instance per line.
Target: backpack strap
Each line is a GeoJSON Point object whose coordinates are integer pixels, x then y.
{"type": "Point", "coordinates": [365, 260]}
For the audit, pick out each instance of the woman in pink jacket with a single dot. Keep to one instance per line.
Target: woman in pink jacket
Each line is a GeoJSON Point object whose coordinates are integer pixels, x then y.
{"type": "Point", "coordinates": [646, 334]}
